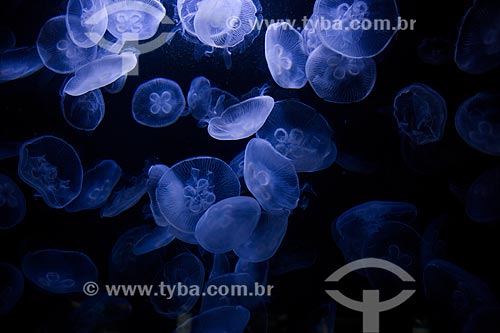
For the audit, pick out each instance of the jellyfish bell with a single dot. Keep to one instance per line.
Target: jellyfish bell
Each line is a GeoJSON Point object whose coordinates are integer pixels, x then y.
{"type": "Point", "coordinates": [86, 21]}
{"type": "Point", "coordinates": [83, 112]}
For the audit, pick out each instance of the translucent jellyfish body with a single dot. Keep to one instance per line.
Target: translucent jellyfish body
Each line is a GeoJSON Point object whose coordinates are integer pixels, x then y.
{"type": "Point", "coordinates": [421, 113]}
{"type": "Point", "coordinates": [481, 203]}
{"type": "Point", "coordinates": [270, 176]}
{"type": "Point", "coordinates": [310, 35]}
{"type": "Point", "coordinates": [11, 287]}
{"type": "Point", "coordinates": [58, 271]}
{"type": "Point", "coordinates": [125, 196]}
{"type": "Point", "coordinates": [214, 103]}
{"type": "Point", "coordinates": [156, 238]}
{"type": "Point", "coordinates": [301, 134]}
{"type": "Point", "coordinates": [342, 25]}
{"type": "Point", "coordinates": [338, 79]}
{"type": "Point", "coordinates": [232, 319]}
{"type": "Point", "coordinates": [83, 112]}
{"type": "Point", "coordinates": [435, 51]}
{"type": "Point", "coordinates": [53, 168]}
{"type": "Point", "coordinates": [19, 63]}
{"type": "Point", "coordinates": [117, 86]}
{"type": "Point", "coordinates": [199, 93]}
{"type": "Point", "coordinates": [158, 103]}
{"type": "Point", "coordinates": [86, 21]}
{"type": "Point", "coordinates": [12, 203]}
{"type": "Point", "coordinates": [285, 56]}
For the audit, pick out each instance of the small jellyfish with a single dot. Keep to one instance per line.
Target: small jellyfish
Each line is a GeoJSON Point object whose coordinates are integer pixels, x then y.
{"type": "Point", "coordinates": [158, 103]}
{"type": "Point", "coordinates": [435, 51]}
{"type": "Point", "coordinates": [338, 79]}
{"type": "Point", "coordinates": [158, 237]}
{"type": "Point", "coordinates": [227, 224]}
{"type": "Point", "coordinates": [198, 97]}
{"type": "Point", "coordinates": [285, 56]}
{"type": "Point", "coordinates": [98, 183]}
{"type": "Point", "coordinates": [125, 196]}
{"type": "Point", "coordinates": [310, 36]}
{"type": "Point", "coordinates": [12, 203]}
{"type": "Point", "coordinates": [241, 120]}
{"type": "Point", "coordinates": [270, 177]}
{"type": "Point", "coordinates": [86, 21]}
{"type": "Point", "coordinates": [83, 112]}
{"type": "Point", "coordinates": [11, 287]}
{"type": "Point", "coordinates": [481, 203]}
{"type": "Point", "coordinates": [59, 271]}
{"type": "Point", "coordinates": [19, 63]}
{"type": "Point", "coordinates": [231, 319]}
{"type": "Point", "coordinates": [117, 86]}
{"type": "Point", "coordinates": [478, 123]}
{"type": "Point", "coordinates": [421, 113]}
{"type": "Point", "coordinates": [57, 50]}
{"type": "Point", "coordinates": [53, 168]}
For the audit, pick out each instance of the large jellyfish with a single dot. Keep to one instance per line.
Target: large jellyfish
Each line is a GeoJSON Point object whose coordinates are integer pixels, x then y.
{"type": "Point", "coordinates": [53, 168]}
{"type": "Point", "coordinates": [83, 112]}
{"type": "Point", "coordinates": [301, 134]}
{"type": "Point", "coordinates": [11, 287]}
{"type": "Point", "coordinates": [158, 103]}
{"type": "Point", "coordinates": [86, 21]}
{"type": "Point", "coordinates": [59, 271]}
{"type": "Point", "coordinates": [421, 113]}
{"type": "Point", "coordinates": [12, 203]}
{"type": "Point", "coordinates": [230, 319]}
{"type": "Point", "coordinates": [343, 25]}
{"type": "Point", "coordinates": [19, 63]}
{"type": "Point", "coordinates": [338, 79]}
{"type": "Point", "coordinates": [481, 203]}
{"type": "Point", "coordinates": [125, 196]}
{"type": "Point", "coordinates": [285, 55]}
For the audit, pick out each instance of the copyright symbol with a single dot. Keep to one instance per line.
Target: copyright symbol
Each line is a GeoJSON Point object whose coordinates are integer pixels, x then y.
{"type": "Point", "coordinates": [90, 288]}
{"type": "Point", "coordinates": [233, 22]}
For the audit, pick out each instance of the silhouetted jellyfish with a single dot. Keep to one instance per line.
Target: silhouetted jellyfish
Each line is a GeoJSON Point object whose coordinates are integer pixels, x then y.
{"type": "Point", "coordinates": [481, 203]}
{"type": "Point", "coordinates": [9, 149]}
{"type": "Point", "coordinates": [186, 270]}
{"type": "Point", "coordinates": [301, 134]}
{"type": "Point", "coordinates": [53, 168]}
{"type": "Point", "coordinates": [265, 239]}
{"type": "Point", "coordinates": [270, 177]}
{"type": "Point", "coordinates": [19, 63]}
{"type": "Point", "coordinates": [83, 112]}
{"type": "Point", "coordinates": [342, 25]}
{"type": "Point", "coordinates": [57, 50]}
{"type": "Point", "coordinates": [478, 123]}
{"type": "Point", "coordinates": [198, 97]}
{"type": "Point", "coordinates": [98, 183]}
{"type": "Point", "coordinates": [292, 255]}
{"type": "Point", "coordinates": [338, 79]}
{"type": "Point", "coordinates": [285, 56]}
{"type": "Point", "coordinates": [310, 36]}
{"type": "Point", "coordinates": [421, 113]}
{"type": "Point", "coordinates": [12, 203]}
{"type": "Point", "coordinates": [477, 49]}
{"type": "Point", "coordinates": [191, 186]}
{"type": "Point", "coordinates": [125, 197]}
{"type": "Point", "coordinates": [220, 265]}
{"type": "Point", "coordinates": [257, 270]}
{"type": "Point", "coordinates": [59, 271]}
{"type": "Point", "coordinates": [228, 319]}
{"type": "Point", "coordinates": [11, 287]}
{"type": "Point", "coordinates": [134, 20]}
{"type": "Point", "coordinates": [483, 320]}
{"type": "Point", "coordinates": [86, 21]}
{"type": "Point", "coordinates": [158, 237]}
{"type": "Point", "coordinates": [117, 86]}
{"type": "Point", "coordinates": [435, 51]}
{"type": "Point", "coordinates": [100, 73]}
{"type": "Point", "coordinates": [158, 103]}
{"type": "Point", "coordinates": [241, 120]}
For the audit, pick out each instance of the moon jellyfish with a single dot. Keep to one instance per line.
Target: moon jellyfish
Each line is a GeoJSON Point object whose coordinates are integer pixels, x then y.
{"type": "Point", "coordinates": [310, 36]}
{"type": "Point", "coordinates": [198, 96]}
{"type": "Point", "coordinates": [216, 102]}
{"type": "Point", "coordinates": [481, 203]}
{"type": "Point", "coordinates": [338, 79]}
{"type": "Point", "coordinates": [285, 56]}
{"type": "Point", "coordinates": [86, 21]}
{"type": "Point", "coordinates": [100, 73]}
{"type": "Point", "coordinates": [157, 238]}
{"type": "Point", "coordinates": [241, 120]}
{"type": "Point", "coordinates": [117, 86]}
{"type": "Point", "coordinates": [238, 164]}
{"type": "Point", "coordinates": [58, 271]}
{"type": "Point", "coordinates": [477, 49]}
{"type": "Point", "coordinates": [421, 113]}
{"type": "Point", "coordinates": [270, 177]}
{"type": "Point", "coordinates": [57, 50]}
{"type": "Point", "coordinates": [11, 287]}
{"type": "Point", "coordinates": [19, 63]}
{"type": "Point", "coordinates": [191, 186]}
{"type": "Point", "coordinates": [435, 51]}
{"type": "Point", "coordinates": [220, 265]}
{"type": "Point", "coordinates": [83, 112]}
{"type": "Point", "coordinates": [258, 271]}
{"type": "Point", "coordinates": [98, 183]}
{"type": "Point", "coordinates": [478, 123]}
{"type": "Point", "coordinates": [184, 270]}
{"type": "Point", "coordinates": [341, 25]}
{"type": "Point", "coordinates": [228, 319]}
{"type": "Point", "coordinates": [134, 20]}
{"type": "Point", "coordinates": [301, 134]}
{"type": "Point", "coordinates": [125, 197]}
{"type": "Point", "coordinates": [158, 103]}
{"type": "Point", "coordinates": [227, 224]}
{"type": "Point", "coordinates": [12, 203]}
{"type": "Point", "coordinates": [53, 168]}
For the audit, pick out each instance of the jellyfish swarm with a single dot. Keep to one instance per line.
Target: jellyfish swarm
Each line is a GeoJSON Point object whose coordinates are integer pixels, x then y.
{"type": "Point", "coordinates": [481, 203]}
{"type": "Point", "coordinates": [230, 319]}
{"type": "Point", "coordinates": [301, 134]}
{"type": "Point", "coordinates": [86, 21]}
{"type": "Point", "coordinates": [158, 103]}
{"type": "Point", "coordinates": [19, 63]}
{"type": "Point", "coordinates": [338, 79]}
{"type": "Point", "coordinates": [421, 113]}
{"type": "Point", "coordinates": [478, 49]}
{"type": "Point", "coordinates": [83, 112]}
{"type": "Point", "coordinates": [478, 123]}
{"type": "Point", "coordinates": [53, 168]}
{"type": "Point", "coordinates": [11, 287]}
{"type": "Point", "coordinates": [285, 56]}
{"type": "Point", "coordinates": [58, 271]}
{"type": "Point", "coordinates": [12, 203]}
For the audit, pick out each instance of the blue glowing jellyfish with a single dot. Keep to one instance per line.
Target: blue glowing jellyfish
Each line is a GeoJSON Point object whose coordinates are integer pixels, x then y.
{"type": "Point", "coordinates": [83, 112]}
{"type": "Point", "coordinates": [292, 255]}
{"type": "Point", "coordinates": [53, 168]}
{"type": "Point", "coordinates": [338, 79]}
{"type": "Point", "coordinates": [270, 176]}
{"type": "Point", "coordinates": [421, 113]}
{"type": "Point", "coordinates": [216, 102]}
{"type": "Point", "coordinates": [86, 21]}
{"type": "Point", "coordinates": [191, 186]}
{"type": "Point", "coordinates": [220, 265]}
{"type": "Point", "coordinates": [158, 103]}
{"type": "Point", "coordinates": [285, 56]}
{"type": "Point", "coordinates": [435, 51]}
{"type": "Point", "coordinates": [230, 319]}
{"type": "Point", "coordinates": [310, 36]}
{"type": "Point", "coordinates": [12, 203]}
{"type": "Point", "coordinates": [19, 63]}
{"type": "Point", "coordinates": [238, 164]}
{"type": "Point", "coordinates": [481, 203]}
{"type": "Point", "coordinates": [198, 97]}
{"type": "Point", "coordinates": [98, 183]}
{"type": "Point", "coordinates": [343, 25]}
{"type": "Point", "coordinates": [156, 238]}
{"type": "Point", "coordinates": [241, 120]}
{"type": "Point", "coordinates": [11, 287]}
{"type": "Point", "coordinates": [117, 86]}
{"type": "Point", "coordinates": [125, 196]}
{"type": "Point", "coordinates": [478, 123]}
{"type": "Point", "coordinates": [257, 270]}
{"type": "Point", "coordinates": [59, 271]}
